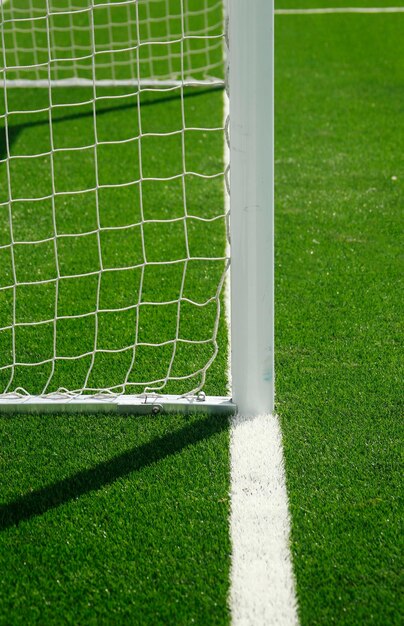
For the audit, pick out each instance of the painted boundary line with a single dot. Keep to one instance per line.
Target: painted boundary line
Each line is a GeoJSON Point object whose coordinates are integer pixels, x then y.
{"type": "Point", "coordinates": [339, 10]}
{"type": "Point", "coordinates": [262, 582]}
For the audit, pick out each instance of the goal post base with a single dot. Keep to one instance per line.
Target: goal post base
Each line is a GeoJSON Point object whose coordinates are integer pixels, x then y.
{"type": "Point", "coordinates": [123, 405]}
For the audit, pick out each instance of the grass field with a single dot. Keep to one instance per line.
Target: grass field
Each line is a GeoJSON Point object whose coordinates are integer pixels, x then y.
{"type": "Point", "coordinates": [340, 175]}
{"type": "Point", "coordinates": [121, 520]}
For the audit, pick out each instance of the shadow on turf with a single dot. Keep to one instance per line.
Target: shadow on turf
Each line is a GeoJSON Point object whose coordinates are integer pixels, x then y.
{"type": "Point", "coordinates": [13, 132]}
{"type": "Point", "coordinates": [42, 500]}
{"type": "Point", "coordinates": [16, 129]}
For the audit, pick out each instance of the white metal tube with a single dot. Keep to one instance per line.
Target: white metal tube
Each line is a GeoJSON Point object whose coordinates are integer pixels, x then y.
{"type": "Point", "coordinates": [251, 85]}
{"type": "Point", "coordinates": [125, 404]}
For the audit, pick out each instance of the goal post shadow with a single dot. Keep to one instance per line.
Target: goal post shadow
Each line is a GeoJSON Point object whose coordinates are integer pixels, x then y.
{"type": "Point", "coordinates": [106, 472]}
{"type": "Point", "coordinates": [14, 130]}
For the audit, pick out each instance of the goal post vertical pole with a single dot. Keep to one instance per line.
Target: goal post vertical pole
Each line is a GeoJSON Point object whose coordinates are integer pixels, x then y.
{"type": "Point", "coordinates": [251, 88]}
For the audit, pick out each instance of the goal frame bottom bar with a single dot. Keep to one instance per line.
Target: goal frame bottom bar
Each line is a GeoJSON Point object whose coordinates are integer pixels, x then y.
{"type": "Point", "coordinates": [123, 405]}
{"type": "Point", "coordinates": [87, 82]}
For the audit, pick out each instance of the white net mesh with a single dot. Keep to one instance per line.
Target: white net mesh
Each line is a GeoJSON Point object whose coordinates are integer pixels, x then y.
{"type": "Point", "coordinates": [112, 42]}
{"type": "Point", "coordinates": [112, 219]}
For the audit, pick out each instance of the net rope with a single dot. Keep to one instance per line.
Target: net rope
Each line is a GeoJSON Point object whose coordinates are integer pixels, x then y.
{"type": "Point", "coordinates": [175, 43]}
{"type": "Point", "coordinates": [123, 56]}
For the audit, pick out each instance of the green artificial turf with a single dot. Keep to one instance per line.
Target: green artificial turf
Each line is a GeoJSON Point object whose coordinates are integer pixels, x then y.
{"type": "Point", "coordinates": [114, 520]}
{"type": "Point", "coordinates": [333, 4]}
{"type": "Point", "coordinates": [121, 520]}
{"type": "Point", "coordinates": [340, 182]}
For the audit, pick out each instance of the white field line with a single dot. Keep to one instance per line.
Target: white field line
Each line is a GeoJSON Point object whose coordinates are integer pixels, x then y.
{"type": "Point", "coordinates": [262, 589]}
{"type": "Point", "coordinates": [262, 582]}
{"type": "Point", "coordinates": [339, 10]}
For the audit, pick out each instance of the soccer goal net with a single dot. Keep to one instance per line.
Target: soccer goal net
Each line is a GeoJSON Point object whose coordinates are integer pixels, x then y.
{"type": "Point", "coordinates": [112, 42]}
{"type": "Point", "coordinates": [114, 215]}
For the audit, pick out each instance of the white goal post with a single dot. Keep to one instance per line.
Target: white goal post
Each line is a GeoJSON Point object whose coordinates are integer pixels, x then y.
{"type": "Point", "coordinates": [86, 59]}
